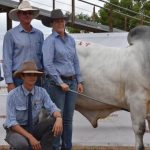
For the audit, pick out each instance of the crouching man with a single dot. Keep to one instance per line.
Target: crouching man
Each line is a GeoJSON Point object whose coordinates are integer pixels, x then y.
{"type": "Point", "coordinates": [24, 103]}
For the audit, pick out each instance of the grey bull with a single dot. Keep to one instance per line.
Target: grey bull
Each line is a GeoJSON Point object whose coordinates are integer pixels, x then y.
{"type": "Point", "coordinates": [120, 78]}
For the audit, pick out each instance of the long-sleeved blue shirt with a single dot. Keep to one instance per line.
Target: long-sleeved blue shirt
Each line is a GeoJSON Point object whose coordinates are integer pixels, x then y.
{"type": "Point", "coordinates": [60, 57]}
{"type": "Point", "coordinates": [20, 46]}
{"type": "Point", "coordinates": [17, 105]}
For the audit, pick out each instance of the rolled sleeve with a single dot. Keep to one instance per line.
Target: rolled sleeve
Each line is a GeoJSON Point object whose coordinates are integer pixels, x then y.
{"type": "Point", "coordinates": [11, 112]}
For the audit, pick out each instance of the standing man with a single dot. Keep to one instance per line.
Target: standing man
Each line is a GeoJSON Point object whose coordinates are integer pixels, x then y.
{"type": "Point", "coordinates": [21, 43]}
{"type": "Point", "coordinates": [63, 73]}
{"type": "Point", "coordinates": [23, 129]}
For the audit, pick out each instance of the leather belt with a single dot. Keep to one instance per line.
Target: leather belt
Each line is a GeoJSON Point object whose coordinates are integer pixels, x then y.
{"type": "Point", "coordinates": [64, 77]}
{"type": "Point", "coordinates": [68, 77]}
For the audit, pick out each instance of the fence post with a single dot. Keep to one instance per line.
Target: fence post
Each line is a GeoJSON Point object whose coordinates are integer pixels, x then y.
{"type": "Point", "coordinates": [73, 11]}
{"type": "Point", "coordinates": [53, 4]}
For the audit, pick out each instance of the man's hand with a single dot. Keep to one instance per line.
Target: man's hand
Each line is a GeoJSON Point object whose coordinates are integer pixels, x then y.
{"type": "Point", "coordinates": [80, 88]}
{"type": "Point", "coordinates": [34, 143]}
{"type": "Point", "coordinates": [58, 127]}
{"type": "Point", "coordinates": [10, 86]}
{"type": "Point", "coordinates": [65, 87]}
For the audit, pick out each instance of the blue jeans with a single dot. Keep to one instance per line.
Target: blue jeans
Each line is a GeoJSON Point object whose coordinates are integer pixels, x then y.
{"type": "Point", "coordinates": [66, 102]}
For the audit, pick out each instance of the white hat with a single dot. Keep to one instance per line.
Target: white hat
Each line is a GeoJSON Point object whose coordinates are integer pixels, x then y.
{"type": "Point", "coordinates": [23, 6]}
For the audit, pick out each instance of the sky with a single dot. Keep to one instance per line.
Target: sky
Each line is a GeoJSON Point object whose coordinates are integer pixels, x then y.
{"type": "Point", "coordinates": [65, 5]}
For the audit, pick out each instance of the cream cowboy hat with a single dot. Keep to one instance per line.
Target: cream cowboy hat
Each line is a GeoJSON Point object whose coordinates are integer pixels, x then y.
{"type": "Point", "coordinates": [55, 14]}
{"type": "Point", "coordinates": [23, 6]}
{"type": "Point", "coordinates": [27, 67]}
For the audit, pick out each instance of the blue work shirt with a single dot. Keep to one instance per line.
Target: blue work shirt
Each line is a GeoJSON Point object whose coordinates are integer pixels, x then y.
{"type": "Point", "coordinates": [20, 46]}
{"type": "Point", "coordinates": [17, 105]}
{"type": "Point", "coordinates": [60, 57]}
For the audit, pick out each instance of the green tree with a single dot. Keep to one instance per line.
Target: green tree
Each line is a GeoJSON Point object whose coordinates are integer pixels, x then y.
{"type": "Point", "coordinates": [121, 21]}
{"type": "Point", "coordinates": [80, 16]}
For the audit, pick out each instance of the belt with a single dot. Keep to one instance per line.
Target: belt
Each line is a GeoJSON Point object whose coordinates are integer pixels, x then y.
{"type": "Point", "coordinates": [63, 77]}
{"type": "Point", "coordinates": [68, 77]}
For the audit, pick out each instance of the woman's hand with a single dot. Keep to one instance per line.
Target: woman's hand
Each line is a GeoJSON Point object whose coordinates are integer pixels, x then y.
{"type": "Point", "coordinates": [80, 88]}
{"type": "Point", "coordinates": [65, 87]}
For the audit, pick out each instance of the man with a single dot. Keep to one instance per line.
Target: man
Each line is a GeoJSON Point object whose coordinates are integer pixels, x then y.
{"type": "Point", "coordinates": [63, 73]}
{"type": "Point", "coordinates": [21, 43]}
{"type": "Point", "coordinates": [23, 108]}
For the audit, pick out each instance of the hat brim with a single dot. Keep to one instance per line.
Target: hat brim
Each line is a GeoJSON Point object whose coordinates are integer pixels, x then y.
{"type": "Point", "coordinates": [18, 74]}
{"type": "Point", "coordinates": [13, 13]}
{"type": "Point", "coordinates": [47, 21]}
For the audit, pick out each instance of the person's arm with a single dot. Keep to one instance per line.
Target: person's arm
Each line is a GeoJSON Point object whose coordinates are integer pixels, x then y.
{"type": "Point", "coordinates": [41, 41]}
{"type": "Point", "coordinates": [78, 73]}
{"type": "Point", "coordinates": [54, 111]}
{"type": "Point", "coordinates": [48, 50]}
{"type": "Point", "coordinates": [7, 60]}
{"type": "Point", "coordinates": [58, 127]}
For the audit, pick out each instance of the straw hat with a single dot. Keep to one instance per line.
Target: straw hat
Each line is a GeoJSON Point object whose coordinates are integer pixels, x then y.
{"type": "Point", "coordinates": [55, 14]}
{"type": "Point", "coordinates": [23, 6]}
{"type": "Point", "coordinates": [27, 67]}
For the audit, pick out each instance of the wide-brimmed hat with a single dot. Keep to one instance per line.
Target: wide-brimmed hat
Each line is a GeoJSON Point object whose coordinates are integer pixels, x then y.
{"type": "Point", "coordinates": [27, 67]}
{"type": "Point", "coordinates": [55, 14]}
{"type": "Point", "coordinates": [23, 6]}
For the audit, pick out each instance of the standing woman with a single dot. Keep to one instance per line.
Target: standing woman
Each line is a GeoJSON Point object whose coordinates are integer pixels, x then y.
{"type": "Point", "coordinates": [63, 73]}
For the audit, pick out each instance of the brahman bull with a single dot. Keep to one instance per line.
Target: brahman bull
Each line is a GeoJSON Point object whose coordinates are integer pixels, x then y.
{"type": "Point", "coordinates": [120, 78]}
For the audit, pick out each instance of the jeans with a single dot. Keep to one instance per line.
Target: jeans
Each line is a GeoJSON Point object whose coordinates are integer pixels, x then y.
{"type": "Point", "coordinates": [42, 132]}
{"type": "Point", "coordinates": [66, 102]}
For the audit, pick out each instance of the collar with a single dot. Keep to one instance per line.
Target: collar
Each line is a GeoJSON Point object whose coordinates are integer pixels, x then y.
{"type": "Point", "coordinates": [21, 29]}
{"type": "Point", "coordinates": [26, 92]}
{"type": "Point", "coordinates": [57, 35]}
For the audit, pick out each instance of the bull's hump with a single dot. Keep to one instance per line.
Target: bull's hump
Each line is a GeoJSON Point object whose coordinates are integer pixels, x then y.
{"type": "Point", "coordinates": [141, 33]}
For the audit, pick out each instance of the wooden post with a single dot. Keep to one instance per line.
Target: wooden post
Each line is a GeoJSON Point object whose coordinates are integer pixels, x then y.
{"type": "Point", "coordinates": [9, 22]}
{"type": "Point", "coordinates": [53, 4]}
{"type": "Point", "coordinates": [110, 21]}
{"type": "Point", "coordinates": [73, 11]}
{"type": "Point", "coordinates": [125, 23]}
{"type": "Point", "coordinates": [93, 17]}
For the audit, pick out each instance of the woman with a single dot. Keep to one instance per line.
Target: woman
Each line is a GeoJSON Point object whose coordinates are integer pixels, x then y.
{"type": "Point", "coordinates": [63, 73]}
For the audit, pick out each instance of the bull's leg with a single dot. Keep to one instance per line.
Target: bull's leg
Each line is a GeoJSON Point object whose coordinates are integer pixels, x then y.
{"type": "Point", "coordinates": [148, 121]}
{"type": "Point", "coordinates": [138, 123]}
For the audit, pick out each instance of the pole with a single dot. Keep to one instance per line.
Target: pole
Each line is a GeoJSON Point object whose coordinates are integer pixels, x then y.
{"type": "Point", "coordinates": [93, 17]}
{"type": "Point", "coordinates": [9, 22]}
{"type": "Point", "coordinates": [110, 20]}
{"type": "Point", "coordinates": [53, 4]}
{"type": "Point", "coordinates": [73, 11]}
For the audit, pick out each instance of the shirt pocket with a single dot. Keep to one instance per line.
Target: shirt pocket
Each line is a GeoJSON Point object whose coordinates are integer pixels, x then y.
{"type": "Point", "coordinates": [21, 113]}
{"type": "Point", "coordinates": [38, 105]}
